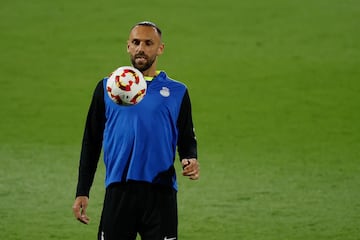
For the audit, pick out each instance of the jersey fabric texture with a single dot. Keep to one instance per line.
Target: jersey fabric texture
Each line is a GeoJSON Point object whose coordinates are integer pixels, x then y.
{"type": "Point", "coordinates": [140, 140]}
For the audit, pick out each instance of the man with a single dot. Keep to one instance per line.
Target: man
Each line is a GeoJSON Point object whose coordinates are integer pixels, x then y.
{"type": "Point", "coordinates": [139, 144]}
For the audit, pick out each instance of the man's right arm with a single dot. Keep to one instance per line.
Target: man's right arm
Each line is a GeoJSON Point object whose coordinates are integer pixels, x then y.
{"type": "Point", "coordinates": [92, 142]}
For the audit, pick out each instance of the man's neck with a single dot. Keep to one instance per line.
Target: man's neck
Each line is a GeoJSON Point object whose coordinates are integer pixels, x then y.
{"type": "Point", "coordinates": [149, 73]}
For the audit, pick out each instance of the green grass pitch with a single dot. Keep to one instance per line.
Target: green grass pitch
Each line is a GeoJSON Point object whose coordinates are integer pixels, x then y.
{"type": "Point", "coordinates": [276, 97]}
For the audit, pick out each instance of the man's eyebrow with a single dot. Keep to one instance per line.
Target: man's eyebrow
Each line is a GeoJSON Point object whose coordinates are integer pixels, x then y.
{"type": "Point", "coordinates": [145, 40]}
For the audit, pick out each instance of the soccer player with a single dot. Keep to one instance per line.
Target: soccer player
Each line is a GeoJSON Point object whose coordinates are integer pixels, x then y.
{"type": "Point", "coordinates": [139, 147]}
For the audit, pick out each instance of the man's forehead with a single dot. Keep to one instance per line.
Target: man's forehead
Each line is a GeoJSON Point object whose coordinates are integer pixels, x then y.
{"type": "Point", "coordinates": [144, 32]}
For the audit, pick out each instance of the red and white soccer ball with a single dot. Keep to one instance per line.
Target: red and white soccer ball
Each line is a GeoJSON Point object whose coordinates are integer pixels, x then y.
{"type": "Point", "coordinates": [126, 86]}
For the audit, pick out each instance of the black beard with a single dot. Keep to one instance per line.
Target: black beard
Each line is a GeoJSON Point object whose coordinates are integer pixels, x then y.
{"type": "Point", "coordinates": [142, 67]}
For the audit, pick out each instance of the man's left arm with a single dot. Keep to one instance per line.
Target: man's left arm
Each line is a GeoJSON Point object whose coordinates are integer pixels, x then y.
{"type": "Point", "coordinates": [187, 144]}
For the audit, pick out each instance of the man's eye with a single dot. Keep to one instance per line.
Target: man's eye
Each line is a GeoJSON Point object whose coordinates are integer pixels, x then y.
{"type": "Point", "coordinates": [136, 42]}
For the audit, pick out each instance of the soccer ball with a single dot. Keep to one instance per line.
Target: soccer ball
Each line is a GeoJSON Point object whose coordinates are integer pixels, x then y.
{"type": "Point", "coordinates": [126, 86]}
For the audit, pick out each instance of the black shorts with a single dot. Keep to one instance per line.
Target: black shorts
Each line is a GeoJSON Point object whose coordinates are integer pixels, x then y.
{"type": "Point", "coordinates": [139, 207]}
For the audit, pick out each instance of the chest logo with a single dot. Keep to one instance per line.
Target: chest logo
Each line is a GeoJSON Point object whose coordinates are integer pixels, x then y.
{"type": "Point", "coordinates": [165, 92]}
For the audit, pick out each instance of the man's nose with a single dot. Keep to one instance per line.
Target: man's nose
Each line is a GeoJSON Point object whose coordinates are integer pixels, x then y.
{"type": "Point", "coordinates": [140, 47]}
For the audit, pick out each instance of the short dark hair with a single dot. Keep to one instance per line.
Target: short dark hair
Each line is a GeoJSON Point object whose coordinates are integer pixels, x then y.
{"type": "Point", "coordinates": [148, 24]}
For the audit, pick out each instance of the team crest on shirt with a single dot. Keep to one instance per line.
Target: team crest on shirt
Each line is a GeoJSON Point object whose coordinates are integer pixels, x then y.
{"type": "Point", "coordinates": [165, 92]}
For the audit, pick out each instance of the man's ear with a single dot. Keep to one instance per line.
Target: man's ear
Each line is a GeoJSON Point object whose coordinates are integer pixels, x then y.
{"type": "Point", "coordinates": [127, 46]}
{"type": "Point", "coordinates": [161, 49]}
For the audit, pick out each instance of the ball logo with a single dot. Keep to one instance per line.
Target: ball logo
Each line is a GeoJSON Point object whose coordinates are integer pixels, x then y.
{"type": "Point", "coordinates": [165, 92]}
{"type": "Point", "coordinates": [126, 85]}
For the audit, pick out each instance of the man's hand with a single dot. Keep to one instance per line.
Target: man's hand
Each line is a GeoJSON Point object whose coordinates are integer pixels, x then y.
{"type": "Point", "coordinates": [79, 209]}
{"type": "Point", "coordinates": [191, 168]}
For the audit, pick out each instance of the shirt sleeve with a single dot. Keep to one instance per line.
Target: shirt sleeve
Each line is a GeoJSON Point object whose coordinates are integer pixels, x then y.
{"type": "Point", "coordinates": [187, 144]}
{"type": "Point", "coordinates": [92, 141]}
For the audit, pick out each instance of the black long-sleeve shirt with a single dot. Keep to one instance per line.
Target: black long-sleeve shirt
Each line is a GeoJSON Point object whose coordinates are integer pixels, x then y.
{"type": "Point", "coordinates": [93, 136]}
